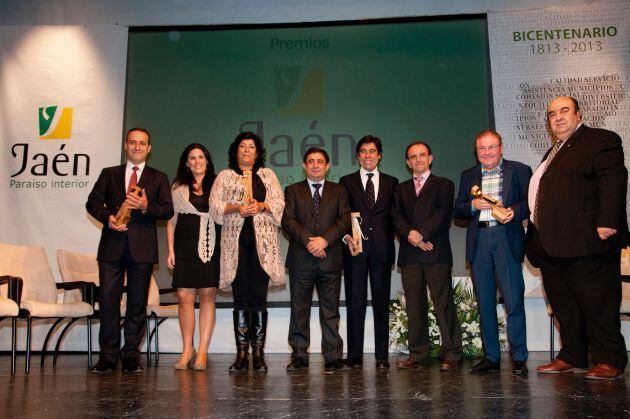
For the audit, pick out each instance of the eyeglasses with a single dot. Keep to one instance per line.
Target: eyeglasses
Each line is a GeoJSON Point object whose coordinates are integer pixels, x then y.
{"type": "Point", "coordinates": [489, 148]}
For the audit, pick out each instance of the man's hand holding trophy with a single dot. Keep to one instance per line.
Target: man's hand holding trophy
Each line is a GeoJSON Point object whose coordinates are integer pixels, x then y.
{"type": "Point", "coordinates": [499, 212]}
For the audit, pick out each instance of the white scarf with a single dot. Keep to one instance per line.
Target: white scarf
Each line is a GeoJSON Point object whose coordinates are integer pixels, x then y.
{"type": "Point", "coordinates": [182, 205]}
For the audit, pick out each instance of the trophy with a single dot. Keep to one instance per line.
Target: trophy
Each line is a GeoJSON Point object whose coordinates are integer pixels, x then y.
{"type": "Point", "coordinates": [246, 183]}
{"type": "Point", "coordinates": [357, 234]}
{"type": "Point", "coordinates": [124, 213]}
{"type": "Point", "coordinates": [498, 210]}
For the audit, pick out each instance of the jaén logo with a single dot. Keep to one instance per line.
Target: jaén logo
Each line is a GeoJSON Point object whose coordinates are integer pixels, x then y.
{"type": "Point", "coordinates": [299, 91]}
{"type": "Point", "coordinates": [55, 123]}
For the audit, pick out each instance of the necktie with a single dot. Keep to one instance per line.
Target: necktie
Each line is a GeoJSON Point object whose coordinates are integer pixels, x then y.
{"type": "Point", "coordinates": [550, 158]}
{"type": "Point", "coordinates": [369, 191]}
{"type": "Point", "coordinates": [317, 198]}
{"type": "Point", "coordinates": [418, 183]}
{"type": "Point", "coordinates": [133, 180]}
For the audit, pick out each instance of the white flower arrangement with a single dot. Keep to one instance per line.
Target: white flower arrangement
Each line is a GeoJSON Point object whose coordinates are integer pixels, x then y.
{"type": "Point", "coordinates": [467, 314]}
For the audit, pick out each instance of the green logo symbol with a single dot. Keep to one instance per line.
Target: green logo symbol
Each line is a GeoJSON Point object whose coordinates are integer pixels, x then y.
{"type": "Point", "coordinates": [55, 123]}
{"type": "Point", "coordinates": [299, 91]}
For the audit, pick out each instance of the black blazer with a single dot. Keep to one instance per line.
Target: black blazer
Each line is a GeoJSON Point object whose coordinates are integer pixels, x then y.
{"type": "Point", "coordinates": [583, 188]}
{"type": "Point", "coordinates": [515, 187]}
{"type": "Point", "coordinates": [300, 222]}
{"type": "Point", "coordinates": [376, 224]}
{"type": "Point", "coordinates": [430, 214]}
{"type": "Point", "coordinates": [106, 198]}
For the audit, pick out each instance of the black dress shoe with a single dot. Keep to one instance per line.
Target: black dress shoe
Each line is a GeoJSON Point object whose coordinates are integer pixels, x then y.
{"type": "Point", "coordinates": [337, 364]}
{"type": "Point", "coordinates": [382, 364]}
{"type": "Point", "coordinates": [132, 365]}
{"type": "Point", "coordinates": [520, 367]}
{"type": "Point", "coordinates": [485, 365]}
{"type": "Point", "coordinates": [353, 363]}
{"type": "Point", "coordinates": [296, 365]}
{"type": "Point", "coordinates": [103, 366]}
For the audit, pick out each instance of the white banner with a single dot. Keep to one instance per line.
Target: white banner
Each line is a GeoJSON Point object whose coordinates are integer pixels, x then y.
{"type": "Point", "coordinates": [61, 119]}
{"type": "Point", "coordinates": [537, 55]}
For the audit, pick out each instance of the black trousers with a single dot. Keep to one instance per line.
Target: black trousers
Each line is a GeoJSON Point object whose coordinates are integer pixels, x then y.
{"type": "Point", "coordinates": [415, 278]}
{"type": "Point", "coordinates": [356, 270]}
{"type": "Point", "coordinates": [585, 296]}
{"type": "Point", "coordinates": [111, 277]}
{"type": "Point", "coordinates": [328, 285]}
{"type": "Point", "coordinates": [251, 282]}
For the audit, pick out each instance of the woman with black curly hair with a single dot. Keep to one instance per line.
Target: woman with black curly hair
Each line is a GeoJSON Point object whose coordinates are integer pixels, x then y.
{"type": "Point", "coordinates": [248, 201]}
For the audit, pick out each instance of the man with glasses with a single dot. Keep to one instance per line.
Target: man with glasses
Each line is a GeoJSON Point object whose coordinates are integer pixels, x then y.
{"type": "Point", "coordinates": [495, 248]}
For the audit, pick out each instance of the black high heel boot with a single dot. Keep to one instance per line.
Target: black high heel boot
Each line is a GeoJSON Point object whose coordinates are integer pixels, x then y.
{"type": "Point", "coordinates": [258, 332]}
{"type": "Point", "coordinates": [241, 334]}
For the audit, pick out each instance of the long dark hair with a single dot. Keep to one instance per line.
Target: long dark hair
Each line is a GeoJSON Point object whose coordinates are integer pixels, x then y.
{"type": "Point", "coordinates": [260, 151]}
{"type": "Point", "coordinates": [185, 177]}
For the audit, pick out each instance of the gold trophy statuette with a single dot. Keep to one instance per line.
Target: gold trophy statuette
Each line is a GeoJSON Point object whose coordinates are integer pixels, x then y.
{"type": "Point", "coordinates": [246, 183]}
{"type": "Point", "coordinates": [124, 213]}
{"type": "Point", "coordinates": [498, 210]}
{"type": "Point", "coordinates": [357, 234]}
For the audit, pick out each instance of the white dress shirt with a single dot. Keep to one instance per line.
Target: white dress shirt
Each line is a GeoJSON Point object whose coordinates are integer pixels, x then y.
{"type": "Point", "coordinates": [129, 171]}
{"type": "Point", "coordinates": [375, 180]}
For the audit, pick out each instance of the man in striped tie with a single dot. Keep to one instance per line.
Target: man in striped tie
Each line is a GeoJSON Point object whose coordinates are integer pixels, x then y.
{"type": "Point", "coordinates": [316, 217]}
{"type": "Point", "coordinates": [578, 227]}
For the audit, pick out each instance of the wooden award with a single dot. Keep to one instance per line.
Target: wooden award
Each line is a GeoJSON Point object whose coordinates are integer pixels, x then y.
{"type": "Point", "coordinates": [246, 182]}
{"type": "Point", "coordinates": [124, 213]}
{"type": "Point", "coordinates": [357, 234]}
{"type": "Point", "coordinates": [498, 210]}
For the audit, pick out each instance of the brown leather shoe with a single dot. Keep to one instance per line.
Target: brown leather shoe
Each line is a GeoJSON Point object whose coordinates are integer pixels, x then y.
{"type": "Point", "coordinates": [448, 365]}
{"type": "Point", "coordinates": [558, 366]}
{"type": "Point", "coordinates": [409, 363]}
{"type": "Point", "coordinates": [604, 372]}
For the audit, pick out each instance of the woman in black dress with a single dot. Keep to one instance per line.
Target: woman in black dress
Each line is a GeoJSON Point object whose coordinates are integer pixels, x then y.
{"type": "Point", "coordinates": [193, 252]}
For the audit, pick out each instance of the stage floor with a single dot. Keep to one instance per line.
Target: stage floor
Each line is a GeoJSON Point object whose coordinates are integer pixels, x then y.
{"type": "Point", "coordinates": [69, 391]}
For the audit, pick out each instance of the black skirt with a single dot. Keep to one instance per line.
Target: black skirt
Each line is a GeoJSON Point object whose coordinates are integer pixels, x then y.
{"type": "Point", "coordinates": [190, 271]}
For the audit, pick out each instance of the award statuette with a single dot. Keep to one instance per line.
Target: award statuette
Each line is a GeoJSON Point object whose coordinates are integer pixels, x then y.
{"type": "Point", "coordinates": [246, 183]}
{"type": "Point", "coordinates": [124, 213]}
{"type": "Point", "coordinates": [357, 234]}
{"type": "Point", "coordinates": [498, 210]}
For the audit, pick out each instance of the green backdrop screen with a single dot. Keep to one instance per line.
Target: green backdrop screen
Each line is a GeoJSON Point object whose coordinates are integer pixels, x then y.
{"type": "Point", "coordinates": [317, 85]}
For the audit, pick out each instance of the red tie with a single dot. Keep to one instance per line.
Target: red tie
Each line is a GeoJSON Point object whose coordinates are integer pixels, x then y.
{"type": "Point", "coordinates": [133, 180]}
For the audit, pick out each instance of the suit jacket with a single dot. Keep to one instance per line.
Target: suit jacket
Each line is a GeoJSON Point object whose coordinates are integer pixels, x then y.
{"type": "Point", "coordinates": [515, 186]}
{"type": "Point", "coordinates": [583, 188]}
{"type": "Point", "coordinates": [429, 213]}
{"type": "Point", "coordinates": [300, 222]}
{"type": "Point", "coordinates": [377, 224]}
{"type": "Point", "coordinates": [106, 198]}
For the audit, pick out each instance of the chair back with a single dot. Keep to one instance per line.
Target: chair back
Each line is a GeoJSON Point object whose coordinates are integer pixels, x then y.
{"type": "Point", "coordinates": [154, 293]}
{"type": "Point", "coordinates": [625, 261]}
{"type": "Point", "coordinates": [31, 264]}
{"type": "Point", "coordinates": [84, 267]}
{"type": "Point", "coordinates": [76, 267]}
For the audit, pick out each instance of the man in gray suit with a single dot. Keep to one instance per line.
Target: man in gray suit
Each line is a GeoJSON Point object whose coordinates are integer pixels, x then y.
{"type": "Point", "coordinates": [316, 216]}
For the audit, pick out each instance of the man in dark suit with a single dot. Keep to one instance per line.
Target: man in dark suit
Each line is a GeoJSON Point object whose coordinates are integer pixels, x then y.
{"type": "Point", "coordinates": [130, 248]}
{"type": "Point", "coordinates": [371, 193]}
{"type": "Point", "coordinates": [495, 248]}
{"type": "Point", "coordinates": [316, 217]}
{"type": "Point", "coordinates": [578, 200]}
{"type": "Point", "coordinates": [422, 212]}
